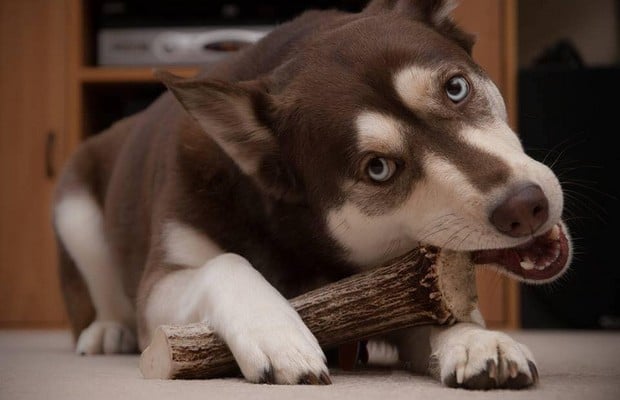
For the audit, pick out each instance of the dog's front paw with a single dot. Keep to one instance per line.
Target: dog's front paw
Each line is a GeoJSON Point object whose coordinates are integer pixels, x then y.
{"type": "Point", "coordinates": [480, 359]}
{"type": "Point", "coordinates": [282, 352]}
{"type": "Point", "coordinates": [107, 337]}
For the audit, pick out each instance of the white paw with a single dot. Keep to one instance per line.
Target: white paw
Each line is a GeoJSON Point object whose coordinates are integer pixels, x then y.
{"type": "Point", "coordinates": [107, 337]}
{"type": "Point", "coordinates": [480, 359]}
{"type": "Point", "coordinates": [279, 350]}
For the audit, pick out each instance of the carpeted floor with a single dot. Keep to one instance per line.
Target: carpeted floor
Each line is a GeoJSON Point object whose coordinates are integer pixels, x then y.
{"type": "Point", "coordinates": [41, 365]}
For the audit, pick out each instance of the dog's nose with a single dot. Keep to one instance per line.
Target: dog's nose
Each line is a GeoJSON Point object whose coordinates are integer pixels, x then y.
{"type": "Point", "coordinates": [522, 212]}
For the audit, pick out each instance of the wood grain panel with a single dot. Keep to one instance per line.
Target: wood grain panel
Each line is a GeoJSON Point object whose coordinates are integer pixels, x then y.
{"type": "Point", "coordinates": [484, 19]}
{"type": "Point", "coordinates": [31, 108]}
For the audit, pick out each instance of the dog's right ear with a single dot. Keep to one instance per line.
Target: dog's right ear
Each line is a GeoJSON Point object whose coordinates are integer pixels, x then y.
{"type": "Point", "coordinates": [235, 115]}
{"type": "Point", "coordinates": [435, 13]}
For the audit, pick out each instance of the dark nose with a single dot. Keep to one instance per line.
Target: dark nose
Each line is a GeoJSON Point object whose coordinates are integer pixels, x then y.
{"type": "Point", "coordinates": [522, 212]}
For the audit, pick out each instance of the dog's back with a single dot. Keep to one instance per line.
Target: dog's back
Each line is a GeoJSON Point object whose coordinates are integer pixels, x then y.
{"type": "Point", "coordinates": [114, 177]}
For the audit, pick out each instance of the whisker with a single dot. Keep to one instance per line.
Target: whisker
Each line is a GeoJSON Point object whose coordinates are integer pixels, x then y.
{"type": "Point", "coordinates": [392, 246]}
{"type": "Point", "coordinates": [578, 204]}
{"type": "Point", "coordinates": [582, 185]}
{"type": "Point", "coordinates": [442, 227]}
{"type": "Point", "coordinates": [551, 151]}
{"type": "Point", "coordinates": [439, 221]}
{"type": "Point", "coordinates": [465, 237]}
{"type": "Point", "coordinates": [569, 145]}
{"type": "Point", "coordinates": [454, 236]}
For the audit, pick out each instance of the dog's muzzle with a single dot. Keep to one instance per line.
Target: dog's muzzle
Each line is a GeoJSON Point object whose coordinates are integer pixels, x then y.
{"type": "Point", "coordinates": [543, 258]}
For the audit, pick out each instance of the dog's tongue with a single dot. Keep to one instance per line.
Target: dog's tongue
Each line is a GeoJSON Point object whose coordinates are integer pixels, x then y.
{"type": "Point", "coordinates": [542, 258]}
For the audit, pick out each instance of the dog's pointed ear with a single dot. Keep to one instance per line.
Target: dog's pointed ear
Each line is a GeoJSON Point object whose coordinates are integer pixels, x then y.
{"type": "Point", "coordinates": [435, 13]}
{"type": "Point", "coordinates": [235, 116]}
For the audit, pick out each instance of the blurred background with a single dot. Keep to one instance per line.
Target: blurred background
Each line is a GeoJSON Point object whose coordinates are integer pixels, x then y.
{"type": "Point", "coordinates": [568, 69]}
{"type": "Point", "coordinates": [69, 68]}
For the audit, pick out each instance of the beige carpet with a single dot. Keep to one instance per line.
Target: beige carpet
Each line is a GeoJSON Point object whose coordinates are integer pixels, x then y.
{"type": "Point", "coordinates": [41, 365]}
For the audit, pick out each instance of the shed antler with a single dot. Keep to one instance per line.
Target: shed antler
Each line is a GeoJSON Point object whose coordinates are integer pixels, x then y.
{"type": "Point", "coordinates": [425, 286]}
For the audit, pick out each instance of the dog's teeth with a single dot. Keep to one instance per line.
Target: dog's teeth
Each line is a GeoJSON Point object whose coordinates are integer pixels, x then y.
{"type": "Point", "coordinates": [554, 234]}
{"type": "Point", "coordinates": [527, 264]}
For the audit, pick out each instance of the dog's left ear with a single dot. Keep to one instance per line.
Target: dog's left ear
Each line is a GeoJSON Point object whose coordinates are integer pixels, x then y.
{"type": "Point", "coordinates": [236, 116]}
{"type": "Point", "coordinates": [435, 13]}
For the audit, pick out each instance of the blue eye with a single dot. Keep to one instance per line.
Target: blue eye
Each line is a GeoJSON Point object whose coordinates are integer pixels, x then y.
{"type": "Point", "coordinates": [380, 169]}
{"type": "Point", "coordinates": [457, 88]}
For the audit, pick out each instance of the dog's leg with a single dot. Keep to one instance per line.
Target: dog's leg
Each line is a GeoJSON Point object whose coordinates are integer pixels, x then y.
{"type": "Point", "coordinates": [79, 223]}
{"type": "Point", "coordinates": [467, 355]}
{"type": "Point", "coordinates": [79, 306]}
{"type": "Point", "coordinates": [412, 347]}
{"type": "Point", "coordinates": [267, 337]}
{"type": "Point", "coordinates": [470, 356]}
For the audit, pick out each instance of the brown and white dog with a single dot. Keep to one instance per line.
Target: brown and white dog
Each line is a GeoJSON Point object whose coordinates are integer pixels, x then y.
{"type": "Point", "coordinates": [337, 142]}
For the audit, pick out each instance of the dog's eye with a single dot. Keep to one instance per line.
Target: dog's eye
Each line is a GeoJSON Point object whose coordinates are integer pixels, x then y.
{"type": "Point", "coordinates": [380, 169]}
{"type": "Point", "coordinates": [457, 88]}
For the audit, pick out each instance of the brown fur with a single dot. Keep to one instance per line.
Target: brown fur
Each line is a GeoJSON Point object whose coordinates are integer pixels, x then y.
{"type": "Point", "coordinates": [303, 84]}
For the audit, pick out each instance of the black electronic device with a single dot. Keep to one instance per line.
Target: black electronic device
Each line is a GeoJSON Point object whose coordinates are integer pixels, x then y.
{"type": "Point", "coordinates": [568, 119]}
{"type": "Point", "coordinates": [189, 32]}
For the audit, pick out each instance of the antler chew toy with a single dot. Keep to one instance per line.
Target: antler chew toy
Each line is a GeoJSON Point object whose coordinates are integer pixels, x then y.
{"type": "Point", "coordinates": [425, 286]}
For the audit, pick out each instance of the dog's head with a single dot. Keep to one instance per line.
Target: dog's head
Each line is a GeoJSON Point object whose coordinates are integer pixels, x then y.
{"type": "Point", "coordinates": [384, 124]}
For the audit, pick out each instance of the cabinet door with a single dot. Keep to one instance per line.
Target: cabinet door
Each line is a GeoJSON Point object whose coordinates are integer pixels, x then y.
{"type": "Point", "coordinates": [32, 119]}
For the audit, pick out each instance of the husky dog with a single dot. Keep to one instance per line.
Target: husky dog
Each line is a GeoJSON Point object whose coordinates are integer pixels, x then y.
{"type": "Point", "coordinates": [335, 143]}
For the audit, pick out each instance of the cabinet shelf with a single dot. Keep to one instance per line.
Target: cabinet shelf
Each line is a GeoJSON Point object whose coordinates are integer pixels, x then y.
{"type": "Point", "coordinates": [128, 74]}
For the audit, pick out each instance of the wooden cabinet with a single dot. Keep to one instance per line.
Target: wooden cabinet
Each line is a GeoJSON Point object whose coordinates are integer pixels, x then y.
{"type": "Point", "coordinates": [32, 136]}
{"type": "Point", "coordinates": [94, 92]}
{"type": "Point", "coordinates": [50, 84]}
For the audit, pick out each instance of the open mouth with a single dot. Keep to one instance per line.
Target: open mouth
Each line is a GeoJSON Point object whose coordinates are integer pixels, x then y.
{"type": "Point", "coordinates": [543, 258]}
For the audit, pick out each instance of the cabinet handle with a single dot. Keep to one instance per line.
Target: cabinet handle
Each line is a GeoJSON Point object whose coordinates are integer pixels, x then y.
{"type": "Point", "coordinates": [50, 142]}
